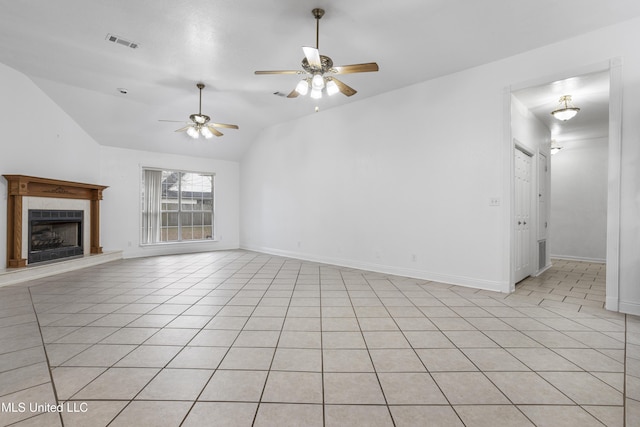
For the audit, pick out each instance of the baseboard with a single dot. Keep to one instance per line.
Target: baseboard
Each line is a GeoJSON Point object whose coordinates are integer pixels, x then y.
{"type": "Point", "coordinates": [545, 268]}
{"type": "Point", "coordinates": [576, 258]}
{"type": "Point", "coordinates": [468, 282]}
{"type": "Point", "coordinates": [18, 275]}
{"type": "Point", "coordinates": [175, 249]}
{"type": "Point", "coordinates": [611, 304]}
{"type": "Point", "coordinates": [629, 308]}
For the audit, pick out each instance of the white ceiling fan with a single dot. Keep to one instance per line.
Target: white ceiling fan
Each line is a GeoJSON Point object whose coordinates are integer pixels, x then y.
{"type": "Point", "coordinates": [201, 124]}
{"type": "Point", "coordinates": [319, 70]}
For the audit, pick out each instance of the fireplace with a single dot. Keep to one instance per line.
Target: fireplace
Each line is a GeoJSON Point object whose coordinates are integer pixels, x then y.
{"type": "Point", "coordinates": [29, 192]}
{"type": "Point", "coordinates": [54, 234]}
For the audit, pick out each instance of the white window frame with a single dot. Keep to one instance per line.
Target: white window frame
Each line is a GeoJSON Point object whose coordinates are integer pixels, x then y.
{"type": "Point", "coordinates": [143, 240]}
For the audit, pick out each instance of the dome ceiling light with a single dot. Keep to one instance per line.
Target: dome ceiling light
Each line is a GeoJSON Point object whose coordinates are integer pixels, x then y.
{"type": "Point", "coordinates": [566, 110]}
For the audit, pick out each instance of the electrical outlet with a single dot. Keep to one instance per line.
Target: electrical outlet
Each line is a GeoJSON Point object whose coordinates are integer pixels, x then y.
{"type": "Point", "coordinates": [494, 201]}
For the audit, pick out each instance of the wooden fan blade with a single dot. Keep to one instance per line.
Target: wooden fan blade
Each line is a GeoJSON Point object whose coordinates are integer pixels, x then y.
{"type": "Point", "coordinates": [224, 125]}
{"type": "Point", "coordinates": [313, 56]}
{"type": "Point", "coordinates": [345, 89]}
{"type": "Point", "coordinates": [280, 72]}
{"type": "Point", "coordinates": [183, 129]}
{"type": "Point", "coordinates": [356, 68]}
{"type": "Point", "coordinates": [215, 131]}
{"type": "Point", "coordinates": [293, 94]}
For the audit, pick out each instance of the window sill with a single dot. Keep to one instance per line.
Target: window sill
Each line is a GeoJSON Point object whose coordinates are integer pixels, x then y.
{"type": "Point", "coordinates": [183, 242]}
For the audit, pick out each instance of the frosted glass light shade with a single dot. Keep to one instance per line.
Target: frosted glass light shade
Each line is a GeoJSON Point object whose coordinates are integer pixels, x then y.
{"type": "Point", "coordinates": [332, 88]}
{"type": "Point", "coordinates": [316, 93]}
{"type": "Point", "coordinates": [565, 110]}
{"type": "Point", "coordinates": [206, 132]}
{"type": "Point", "coordinates": [565, 113]}
{"type": "Point", "coordinates": [193, 133]}
{"type": "Point", "coordinates": [303, 87]}
{"type": "Point", "coordinates": [317, 82]}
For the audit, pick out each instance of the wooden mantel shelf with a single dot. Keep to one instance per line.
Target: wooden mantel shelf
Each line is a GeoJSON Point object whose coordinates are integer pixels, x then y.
{"type": "Point", "coordinates": [20, 186]}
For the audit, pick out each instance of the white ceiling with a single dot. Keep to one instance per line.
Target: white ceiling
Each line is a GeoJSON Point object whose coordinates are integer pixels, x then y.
{"type": "Point", "coordinates": [61, 45]}
{"type": "Point", "coordinates": [589, 92]}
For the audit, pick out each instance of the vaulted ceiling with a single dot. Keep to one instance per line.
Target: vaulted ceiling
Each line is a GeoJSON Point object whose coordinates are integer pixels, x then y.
{"type": "Point", "coordinates": [61, 45]}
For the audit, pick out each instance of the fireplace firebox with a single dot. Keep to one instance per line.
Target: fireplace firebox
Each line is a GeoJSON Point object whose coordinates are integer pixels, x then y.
{"type": "Point", "coordinates": [55, 234]}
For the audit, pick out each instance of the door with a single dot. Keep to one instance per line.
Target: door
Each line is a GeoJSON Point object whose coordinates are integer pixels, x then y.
{"type": "Point", "coordinates": [522, 210]}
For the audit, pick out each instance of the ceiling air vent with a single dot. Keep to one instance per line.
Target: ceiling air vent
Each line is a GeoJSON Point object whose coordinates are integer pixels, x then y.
{"type": "Point", "coordinates": [119, 40]}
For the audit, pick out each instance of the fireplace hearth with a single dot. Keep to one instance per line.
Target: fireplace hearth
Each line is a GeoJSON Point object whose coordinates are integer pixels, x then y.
{"type": "Point", "coordinates": [54, 234]}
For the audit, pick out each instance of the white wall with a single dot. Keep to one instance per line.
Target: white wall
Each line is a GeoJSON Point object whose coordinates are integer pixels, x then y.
{"type": "Point", "coordinates": [530, 132]}
{"type": "Point", "coordinates": [39, 139]}
{"type": "Point", "coordinates": [411, 172]}
{"type": "Point", "coordinates": [380, 180]}
{"type": "Point", "coordinates": [578, 223]}
{"type": "Point", "coordinates": [120, 208]}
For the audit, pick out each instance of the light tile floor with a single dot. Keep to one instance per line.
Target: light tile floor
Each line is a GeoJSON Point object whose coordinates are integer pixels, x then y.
{"type": "Point", "coordinates": [240, 338]}
{"type": "Point", "coordinates": [572, 285]}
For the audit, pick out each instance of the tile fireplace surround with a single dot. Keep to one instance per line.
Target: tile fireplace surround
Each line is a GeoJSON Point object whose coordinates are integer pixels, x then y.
{"type": "Point", "coordinates": [21, 186]}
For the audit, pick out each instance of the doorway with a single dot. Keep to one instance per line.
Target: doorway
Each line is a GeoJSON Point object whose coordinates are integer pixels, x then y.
{"type": "Point", "coordinates": [538, 146]}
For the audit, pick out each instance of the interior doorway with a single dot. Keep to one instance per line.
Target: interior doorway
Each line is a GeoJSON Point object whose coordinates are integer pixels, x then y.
{"type": "Point", "coordinates": [597, 92]}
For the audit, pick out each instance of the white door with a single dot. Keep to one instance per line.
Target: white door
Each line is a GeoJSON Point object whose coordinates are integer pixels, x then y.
{"type": "Point", "coordinates": [522, 218]}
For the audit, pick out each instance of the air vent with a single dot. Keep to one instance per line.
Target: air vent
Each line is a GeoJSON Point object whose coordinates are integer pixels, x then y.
{"type": "Point", "coordinates": [119, 40]}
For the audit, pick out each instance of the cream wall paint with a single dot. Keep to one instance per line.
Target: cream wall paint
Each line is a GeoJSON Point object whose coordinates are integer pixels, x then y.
{"type": "Point", "coordinates": [411, 172]}
{"type": "Point", "coordinates": [39, 139]}
{"type": "Point", "coordinates": [579, 200]}
{"type": "Point", "coordinates": [120, 170]}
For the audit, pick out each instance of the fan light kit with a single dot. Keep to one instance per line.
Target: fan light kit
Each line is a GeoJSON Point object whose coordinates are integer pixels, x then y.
{"type": "Point", "coordinates": [319, 70]}
{"type": "Point", "coordinates": [201, 124]}
{"type": "Point", "coordinates": [566, 109]}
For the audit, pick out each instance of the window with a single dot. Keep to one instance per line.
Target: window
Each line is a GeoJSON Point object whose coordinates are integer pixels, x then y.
{"type": "Point", "coordinates": [177, 206]}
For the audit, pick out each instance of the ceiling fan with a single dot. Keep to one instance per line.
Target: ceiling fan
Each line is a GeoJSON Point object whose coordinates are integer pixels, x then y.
{"type": "Point", "coordinates": [320, 71]}
{"type": "Point", "coordinates": [200, 123]}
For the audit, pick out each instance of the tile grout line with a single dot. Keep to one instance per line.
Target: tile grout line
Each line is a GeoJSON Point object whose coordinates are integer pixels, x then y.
{"type": "Point", "coordinates": [375, 370]}
{"type": "Point", "coordinates": [53, 385]}
{"type": "Point", "coordinates": [275, 350]}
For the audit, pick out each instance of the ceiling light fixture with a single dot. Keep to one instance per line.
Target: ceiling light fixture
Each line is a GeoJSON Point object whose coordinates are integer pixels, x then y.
{"type": "Point", "coordinates": [319, 70]}
{"type": "Point", "coordinates": [555, 147]}
{"type": "Point", "coordinates": [200, 124]}
{"type": "Point", "coordinates": [566, 110]}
